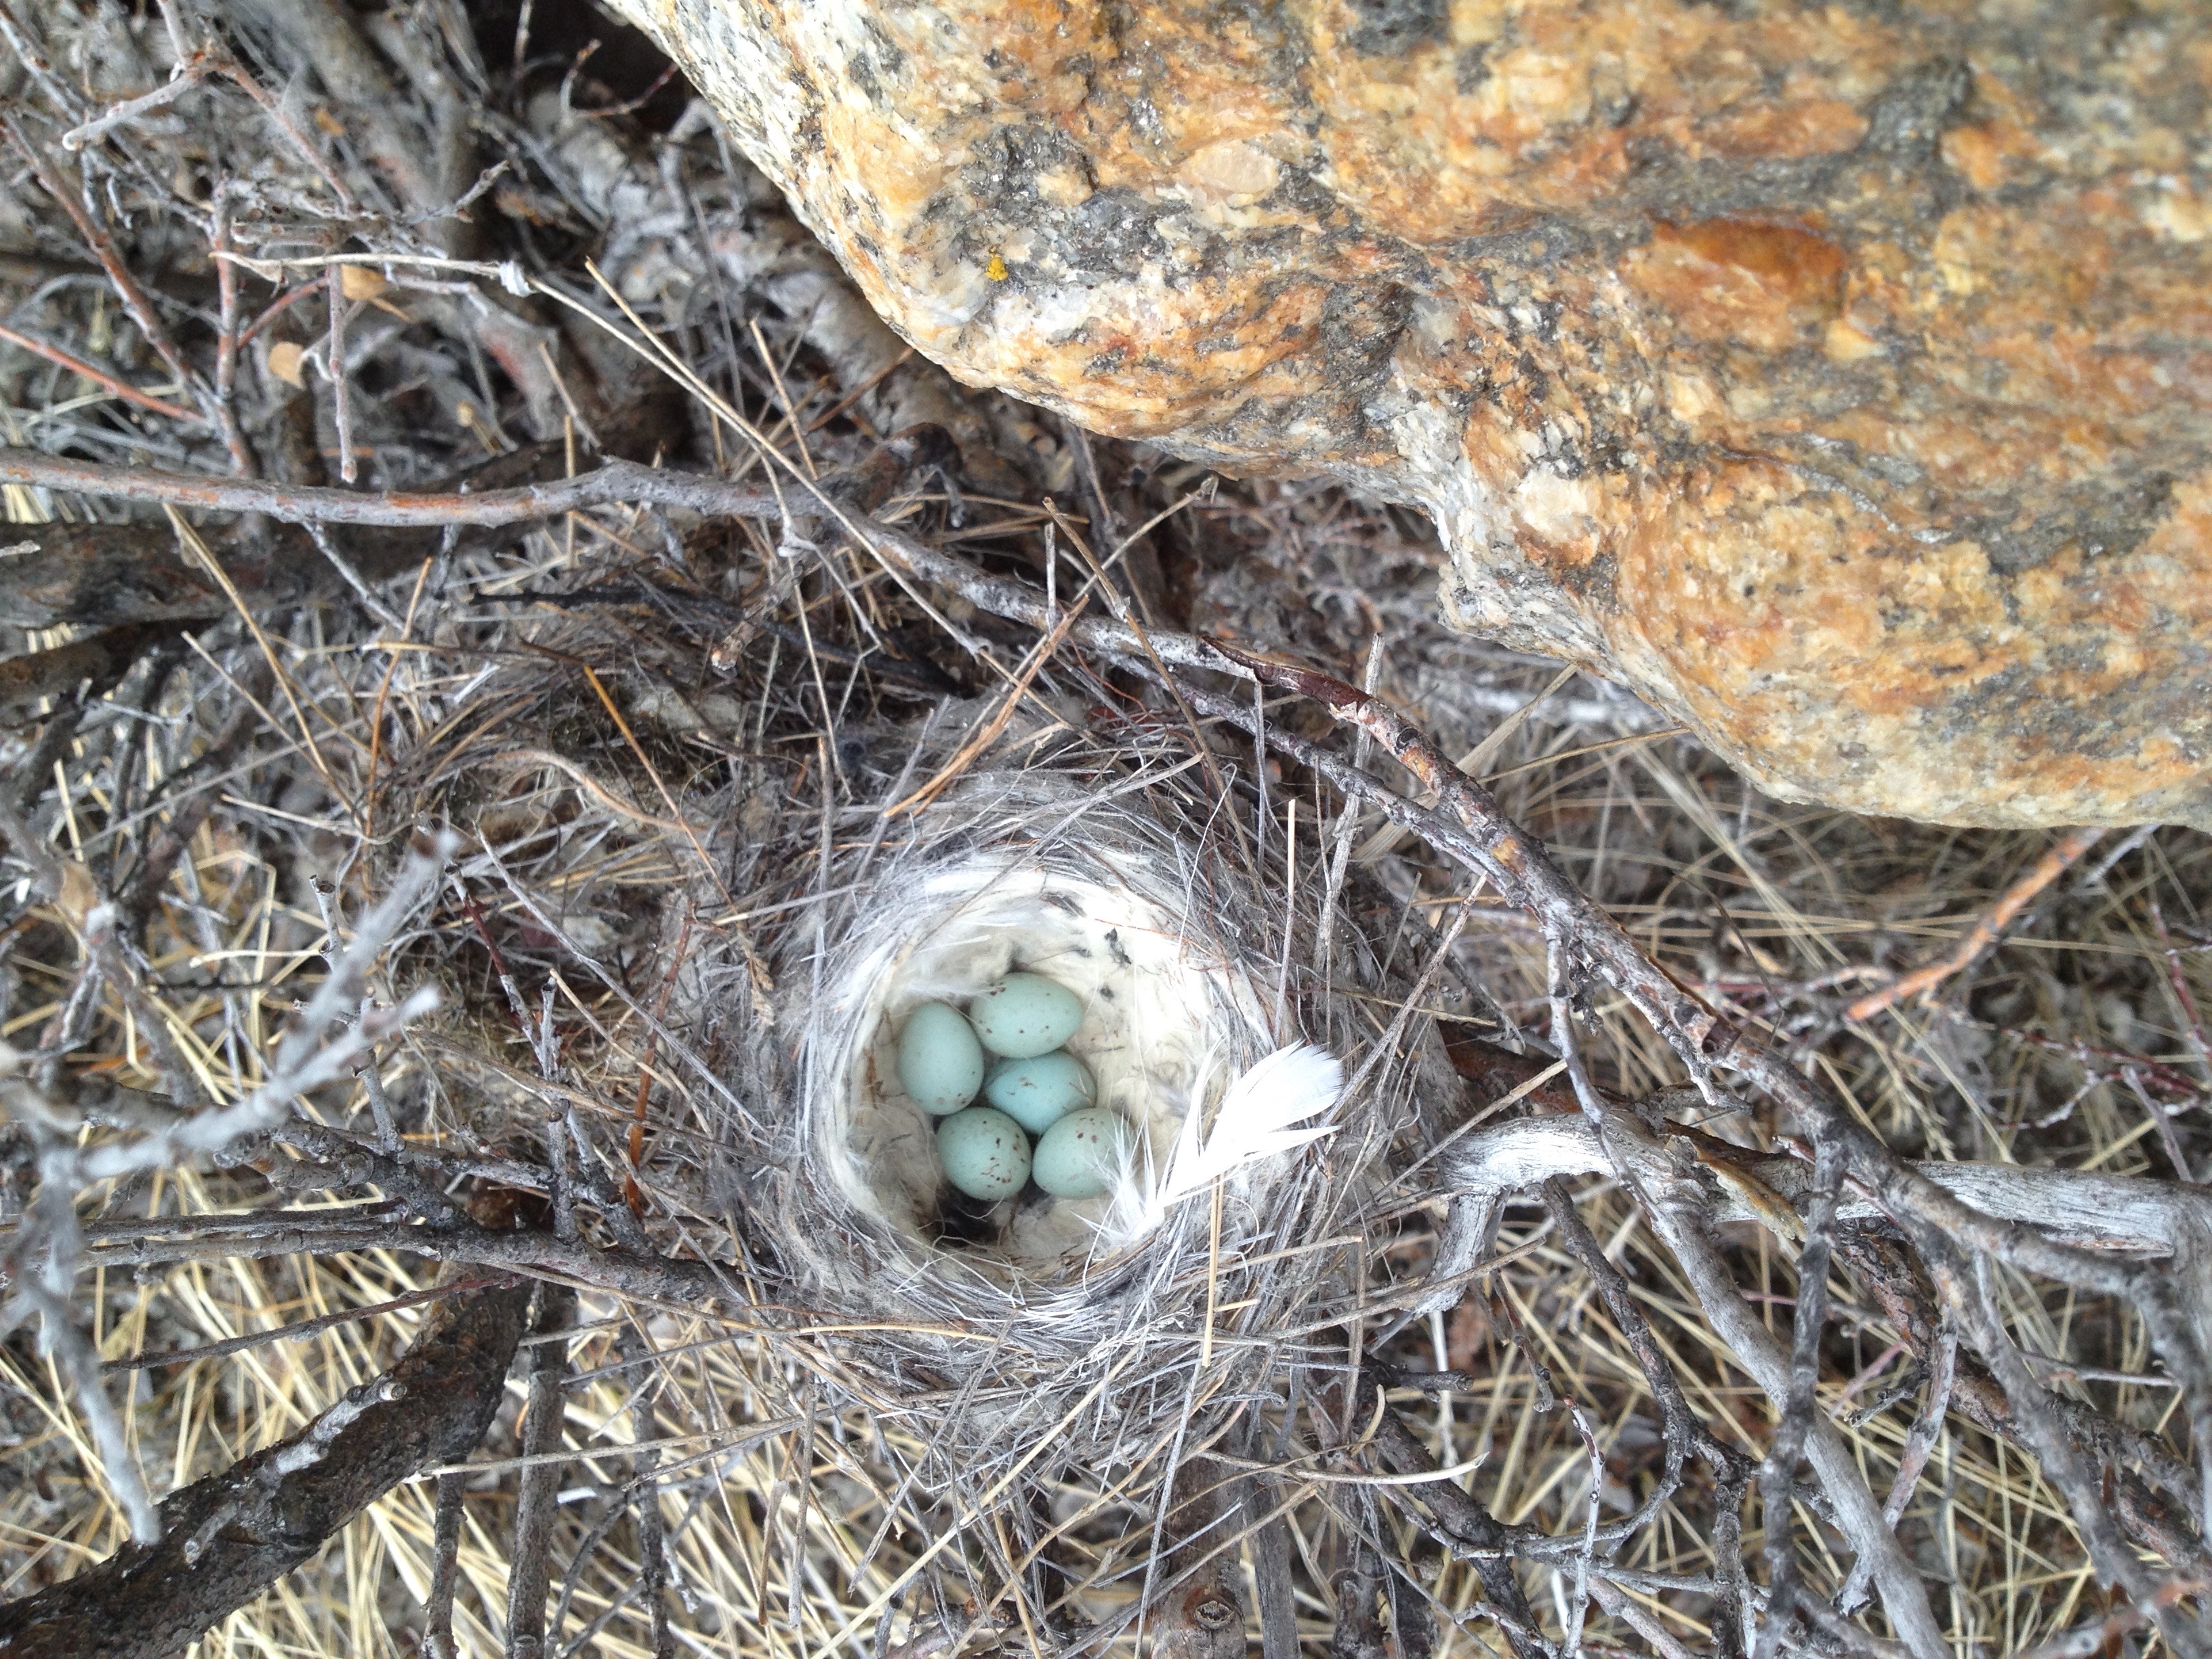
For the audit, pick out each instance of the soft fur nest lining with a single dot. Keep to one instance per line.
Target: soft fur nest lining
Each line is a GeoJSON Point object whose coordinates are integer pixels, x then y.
{"type": "Point", "coordinates": [1167, 1019]}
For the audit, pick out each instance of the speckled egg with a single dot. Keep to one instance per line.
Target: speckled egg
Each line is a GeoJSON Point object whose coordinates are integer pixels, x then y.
{"type": "Point", "coordinates": [1080, 1155]}
{"type": "Point", "coordinates": [1025, 1015]}
{"type": "Point", "coordinates": [940, 1063]}
{"type": "Point", "coordinates": [1036, 1093]}
{"type": "Point", "coordinates": [984, 1152]}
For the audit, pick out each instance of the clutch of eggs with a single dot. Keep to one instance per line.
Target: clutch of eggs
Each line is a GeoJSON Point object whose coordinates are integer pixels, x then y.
{"type": "Point", "coordinates": [1034, 1088]}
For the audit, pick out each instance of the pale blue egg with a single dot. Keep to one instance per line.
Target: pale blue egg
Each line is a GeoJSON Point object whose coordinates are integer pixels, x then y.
{"type": "Point", "coordinates": [1025, 1015]}
{"type": "Point", "coordinates": [1081, 1155]}
{"type": "Point", "coordinates": [940, 1063]}
{"type": "Point", "coordinates": [1036, 1093]}
{"type": "Point", "coordinates": [984, 1152]}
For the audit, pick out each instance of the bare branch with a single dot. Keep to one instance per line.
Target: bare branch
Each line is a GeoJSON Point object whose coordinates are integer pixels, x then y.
{"type": "Point", "coordinates": [1987, 930]}
{"type": "Point", "coordinates": [1678, 1212]}
{"type": "Point", "coordinates": [227, 1538]}
{"type": "Point", "coordinates": [1778, 1475]}
{"type": "Point", "coordinates": [613, 482]}
{"type": "Point", "coordinates": [538, 1505]}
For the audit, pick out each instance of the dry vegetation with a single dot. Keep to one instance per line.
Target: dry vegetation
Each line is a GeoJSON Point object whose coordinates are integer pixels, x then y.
{"type": "Point", "coordinates": [280, 769]}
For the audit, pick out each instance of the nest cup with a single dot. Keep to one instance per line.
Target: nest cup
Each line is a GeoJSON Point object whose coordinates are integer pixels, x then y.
{"type": "Point", "coordinates": [1062, 1335]}
{"type": "Point", "coordinates": [1023, 871]}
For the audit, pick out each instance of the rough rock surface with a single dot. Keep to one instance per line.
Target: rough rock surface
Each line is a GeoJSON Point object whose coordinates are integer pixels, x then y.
{"type": "Point", "coordinates": [1839, 376]}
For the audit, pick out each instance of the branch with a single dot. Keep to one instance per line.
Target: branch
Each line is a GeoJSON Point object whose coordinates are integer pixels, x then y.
{"type": "Point", "coordinates": [100, 377]}
{"type": "Point", "coordinates": [103, 659]}
{"type": "Point", "coordinates": [1778, 1476]}
{"type": "Point", "coordinates": [1462, 1517]}
{"type": "Point", "coordinates": [2116, 1212]}
{"type": "Point", "coordinates": [1202, 1616]}
{"type": "Point", "coordinates": [230, 1536]}
{"type": "Point", "coordinates": [615, 482]}
{"type": "Point", "coordinates": [610, 483]}
{"type": "Point", "coordinates": [1987, 930]}
{"type": "Point", "coordinates": [1503, 1159]}
{"type": "Point", "coordinates": [537, 1501]}
{"type": "Point", "coordinates": [134, 297]}
{"type": "Point", "coordinates": [670, 1281]}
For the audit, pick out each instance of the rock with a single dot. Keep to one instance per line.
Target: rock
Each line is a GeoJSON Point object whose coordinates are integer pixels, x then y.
{"type": "Point", "coordinates": [1839, 377]}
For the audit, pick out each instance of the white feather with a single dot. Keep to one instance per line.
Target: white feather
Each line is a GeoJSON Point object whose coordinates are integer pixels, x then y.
{"type": "Point", "coordinates": [1257, 1119]}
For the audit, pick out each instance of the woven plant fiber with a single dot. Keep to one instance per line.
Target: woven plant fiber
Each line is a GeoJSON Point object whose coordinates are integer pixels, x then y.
{"type": "Point", "coordinates": [1050, 1332]}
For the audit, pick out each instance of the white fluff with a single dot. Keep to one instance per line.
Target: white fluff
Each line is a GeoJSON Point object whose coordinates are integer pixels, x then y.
{"type": "Point", "coordinates": [1157, 1003]}
{"type": "Point", "coordinates": [1259, 1117]}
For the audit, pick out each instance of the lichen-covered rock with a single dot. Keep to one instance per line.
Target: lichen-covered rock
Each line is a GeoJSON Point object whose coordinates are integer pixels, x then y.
{"type": "Point", "coordinates": [1839, 376]}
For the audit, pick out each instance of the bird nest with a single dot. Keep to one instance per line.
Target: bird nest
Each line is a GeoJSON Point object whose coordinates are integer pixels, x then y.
{"type": "Point", "coordinates": [1109, 869]}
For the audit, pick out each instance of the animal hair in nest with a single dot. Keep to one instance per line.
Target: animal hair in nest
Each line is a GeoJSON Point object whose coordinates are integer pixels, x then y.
{"type": "Point", "coordinates": [1109, 862]}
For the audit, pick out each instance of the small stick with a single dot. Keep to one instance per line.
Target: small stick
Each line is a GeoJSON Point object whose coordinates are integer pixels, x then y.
{"type": "Point", "coordinates": [2134, 841]}
{"type": "Point", "coordinates": [1919, 1445]}
{"type": "Point", "coordinates": [2162, 1120]}
{"type": "Point", "coordinates": [615, 482]}
{"type": "Point", "coordinates": [445, 1568]}
{"type": "Point", "coordinates": [1259, 782]}
{"type": "Point", "coordinates": [1777, 1475]}
{"type": "Point", "coordinates": [103, 249]}
{"type": "Point", "coordinates": [130, 109]}
{"type": "Point", "coordinates": [537, 1502]}
{"type": "Point", "coordinates": [1731, 1584]}
{"type": "Point", "coordinates": [99, 377]}
{"type": "Point", "coordinates": [651, 1537]}
{"type": "Point", "coordinates": [2184, 998]}
{"type": "Point", "coordinates": [341, 409]}
{"type": "Point", "coordinates": [301, 1331]}
{"type": "Point", "coordinates": [1357, 1590]}
{"type": "Point", "coordinates": [1290, 892]}
{"type": "Point", "coordinates": [379, 1106]}
{"type": "Point", "coordinates": [180, 38]}
{"type": "Point", "coordinates": [1462, 1518]}
{"type": "Point", "coordinates": [242, 460]}
{"type": "Point", "coordinates": [1620, 1607]}
{"type": "Point", "coordinates": [1678, 1424]}
{"type": "Point", "coordinates": [236, 74]}
{"type": "Point", "coordinates": [1017, 689]}
{"type": "Point", "coordinates": [632, 1194]}
{"type": "Point", "coordinates": [277, 306]}
{"type": "Point", "coordinates": [615, 714]}
{"type": "Point", "coordinates": [1986, 930]}
{"type": "Point", "coordinates": [474, 911]}
{"type": "Point", "coordinates": [556, 1148]}
{"type": "Point", "coordinates": [790, 410]}
{"type": "Point", "coordinates": [1390, 836]}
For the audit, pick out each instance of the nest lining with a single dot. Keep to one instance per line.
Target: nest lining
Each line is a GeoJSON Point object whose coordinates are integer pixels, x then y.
{"type": "Point", "coordinates": [1020, 870]}
{"type": "Point", "coordinates": [1157, 1024]}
